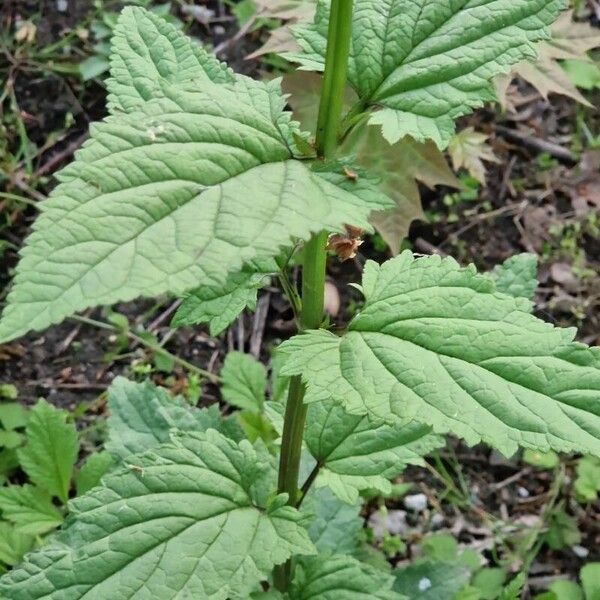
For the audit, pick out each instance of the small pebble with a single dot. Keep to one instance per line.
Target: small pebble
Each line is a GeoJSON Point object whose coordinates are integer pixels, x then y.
{"type": "Point", "coordinates": [580, 551]}
{"type": "Point", "coordinates": [424, 584]}
{"type": "Point", "coordinates": [416, 502]}
{"type": "Point", "coordinates": [62, 5]}
{"type": "Point", "coordinates": [523, 492]}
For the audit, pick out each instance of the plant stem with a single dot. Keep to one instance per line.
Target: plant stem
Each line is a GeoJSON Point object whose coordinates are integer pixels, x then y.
{"type": "Point", "coordinates": [315, 255]}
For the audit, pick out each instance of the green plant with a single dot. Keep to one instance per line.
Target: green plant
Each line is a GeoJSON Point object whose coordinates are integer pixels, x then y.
{"type": "Point", "coordinates": [564, 589]}
{"type": "Point", "coordinates": [200, 179]}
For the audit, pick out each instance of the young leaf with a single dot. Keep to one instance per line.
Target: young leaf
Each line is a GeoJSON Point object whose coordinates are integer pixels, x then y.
{"type": "Point", "coordinates": [590, 580]}
{"type": "Point", "coordinates": [29, 509]}
{"type": "Point", "coordinates": [358, 453]}
{"type": "Point", "coordinates": [427, 63]}
{"type": "Point", "coordinates": [437, 343]}
{"type": "Point", "coordinates": [142, 416]}
{"type": "Point", "coordinates": [92, 471]}
{"type": "Point", "coordinates": [181, 524]}
{"type": "Point", "coordinates": [244, 381]}
{"type": "Point", "coordinates": [587, 482]}
{"type": "Point", "coordinates": [517, 276]}
{"type": "Point", "coordinates": [178, 193]}
{"type": "Point", "coordinates": [149, 55]}
{"type": "Point", "coordinates": [427, 580]}
{"type": "Point", "coordinates": [340, 577]}
{"type": "Point", "coordinates": [334, 526]}
{"type": "Point", "coordinates": [219, 305]}
{"type": "Point", "coordinates": [13, 416]}
{"type": "Point", "coordinates": [13, 545]}
{"type": "Point", "coordinates": [51, 450]}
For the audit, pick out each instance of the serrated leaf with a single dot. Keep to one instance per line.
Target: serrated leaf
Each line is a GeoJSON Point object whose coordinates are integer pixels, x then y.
{"type": "Point", "coordinates": [178, 193]}
{"type": "Point", "coordinates": [468, 149]}
{"type": "Point", "coordinates": [92, 471]}
{"type": "Point", "coordinates": [182, 525]}
{"type": "Point", "coordinates": [13, 545]}
{"type": "Point", "coordinates": [220, 305]}
{"type": "Point", "coordinates": [436, 343]}
{"type": "Point", "coordinates": [340, 578]}
{"type": "Point", "coordinates": [143, 415]}
{"type": "Point", "coordinates": [517, 276]}
{"type": "Point", "coordinates": [244, 381]}
{"type": "Point", "coordinates": [51, 450]}
{"type": "Point", "coordinates": [149, 54]}
{"type": "Point", "coordinates": [427, 580]}
{"type": "Point", "coordinates": [29, 509]}
{"type": "Point", "coordinates": [427, 63]}
{"type": "Point", "coordinates": [334, 526]}
{"type": "Point", "coordinates": [357, 453]}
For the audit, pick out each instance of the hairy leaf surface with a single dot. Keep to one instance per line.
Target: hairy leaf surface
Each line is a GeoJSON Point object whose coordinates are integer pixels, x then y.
{"type": "Point", "coordinates": [181, 524]}
{"type": "Point", "coordinates": [149, 55]}
{"type": "Point", "coordinates": [517, 276]}
{"type": "Point", "coordinates": [438, 344]}
{"type": "Point", "coordinates": [427, 63]}
{"type": "Point", "coordinates": [179, 192]}
{"type": "Point", "coordinates": [143, 415]}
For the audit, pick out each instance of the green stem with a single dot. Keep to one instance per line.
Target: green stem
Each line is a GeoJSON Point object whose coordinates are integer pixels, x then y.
{"type": "Point", "coordinates": [315, 255]}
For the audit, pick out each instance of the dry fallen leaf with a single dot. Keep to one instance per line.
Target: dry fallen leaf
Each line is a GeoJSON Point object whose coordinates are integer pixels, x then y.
{"type": "Point", "coordinates": [468, 149]}
{"type": "Point", "coordinates": [570, 40]}
{"type": "Point", "coordinates": [291, 12]}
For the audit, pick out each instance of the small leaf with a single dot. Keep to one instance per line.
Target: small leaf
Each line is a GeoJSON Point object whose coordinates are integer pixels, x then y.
{"type": "Point", "coordinates": [489, 582]}
{"type": "Point", "coordinates": [541, 460]}
{"type": "Point", "coordinates": [334, 526]}
{"type": "Point", "coordinates": [566, 590]}
{"type": "Point", "coordinates": [427, 580]}
{"type": "Point", "coordinates": [51, 450]}
{"type": "Point", "coordinates": [10, 439]}
{"type": "Point", "coordinates": [183, 524]}
{"type": "Point", "coordinates": [590, 580]}
{"type": "Point", "coordinates": [29, 509]}
{"type": "Point", "coordinates": [468, 149]}
{"type": "Point", "coordinates": [427, 63]}
{"type": "Point", "coordinates": [562, 530]}
{"type": "Point", "coordinates": [220, 305]}
{"type": "Point", "coordinates": [13, 416]}
{"type": "Point", "coordinates": [13, 545]}
{"type": "Point", "coordinates": [143, 415]}
{"type": "Point", "coordinates": [92, 471]}
{"type": "Point", "coordinates": [437, 344]}
{"type": "Point", "coordinates": [244, 381]}
{"type": "Point", "coordinates": [587, 482]}
{"type": "Point", "coordinates": [517, 276]}
{"type": "Point", "coordinates": [340, 578]}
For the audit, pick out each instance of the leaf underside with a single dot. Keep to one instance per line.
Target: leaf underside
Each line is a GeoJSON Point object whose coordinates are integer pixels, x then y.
{"type": "Point", "coordinates": [195, 180]}
{"type": "Point", "coordinates": [426, 63]}
{"type": "Point", "coordinates": [178, 522]}
{"type": "Point", "coordinates": [438, 344]}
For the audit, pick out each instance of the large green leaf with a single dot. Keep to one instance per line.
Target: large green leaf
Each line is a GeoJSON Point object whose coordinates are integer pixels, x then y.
{"type": "Point", "coordinates": [340, 578]}
{"type": "Point", "coordinates": [149, 54]}
{"type": "Point", "coordinates": [357, 453]}
{"type": "Point", "coordinates": [437, 343]}
{"type": "Point", "coordinates": [182, 524]}
{"type": "Point", "coordinates": [177, 193]}
{"type": "Point", "coordinates": [51, 450]}
{"type": "Point", "coordinates": [427, 63]}
{"type": "Point", "coordinates": [143, 415]}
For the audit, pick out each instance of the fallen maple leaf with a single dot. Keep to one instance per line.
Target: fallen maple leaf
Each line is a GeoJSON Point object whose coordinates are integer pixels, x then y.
{"type": "Point", "coordinates": [569, 40]}
{"type": "Point", "coordinates": [468, 149]}
{"type": "Point", "coordinates": [400, 166]}
{"type": "Point", "coordinates": [290, 12]}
